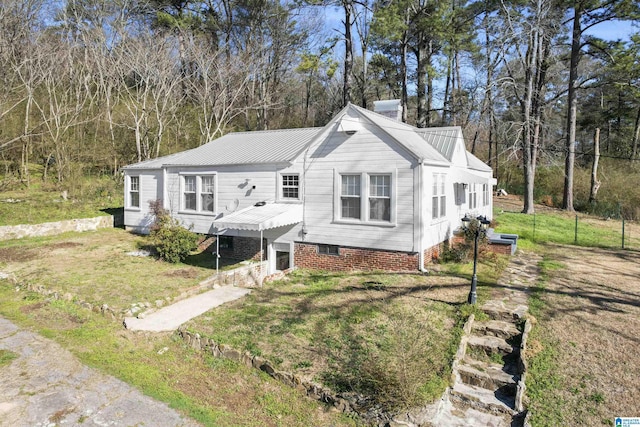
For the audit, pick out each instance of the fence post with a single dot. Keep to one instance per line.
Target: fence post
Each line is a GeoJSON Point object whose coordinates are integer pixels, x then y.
{"type": "Point", "coordinates": [575, 239]}
{"type": "Point", "coordinates": [622, 232]}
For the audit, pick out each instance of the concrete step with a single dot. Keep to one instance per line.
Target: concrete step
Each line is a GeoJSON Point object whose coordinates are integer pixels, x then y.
{"type": "Point", "coordinates": [493, 345]}
{"type": "Point", "coordinates": [482, 399]}
{"type": "Point", "coordinates": [490, 376]}
{"type": "Point", "coordinates": [496, 328]}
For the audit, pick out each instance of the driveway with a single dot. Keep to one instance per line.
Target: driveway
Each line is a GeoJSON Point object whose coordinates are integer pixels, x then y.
{"type": "Point", "coordinates": [47, 386]}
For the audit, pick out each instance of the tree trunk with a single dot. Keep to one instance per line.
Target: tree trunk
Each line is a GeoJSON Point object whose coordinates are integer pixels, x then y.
{"type": "Point", "coordinates": [421, 80]}
{"type": "Point", "coordinates": [572, 112]}
{"type": "Point", "coordinates": [405, 78]}
{"type": "Point", "coordinates": [636, 137]}
{"type": "Point", "coordinates": [595, 184]}
{"type": "Point", "coordinates": [348, 54]}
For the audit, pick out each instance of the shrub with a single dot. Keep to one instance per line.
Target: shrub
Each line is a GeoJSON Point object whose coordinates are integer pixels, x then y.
{"type": "Point", "coordinates": [172, 241]}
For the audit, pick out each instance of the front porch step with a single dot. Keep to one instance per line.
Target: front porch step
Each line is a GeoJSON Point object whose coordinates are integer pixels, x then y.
{"type": "Point", "coordinates": [495, 402]}
{"type": "Point", "coordinates": [489, 376]}
{"type": "Point", "coordinates": [493, 345]}
{"type": "Point", "coordinates": [496, 328]}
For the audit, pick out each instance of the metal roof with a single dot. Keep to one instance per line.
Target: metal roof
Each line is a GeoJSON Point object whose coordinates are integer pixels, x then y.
{"type": "Point", "coordinates": [406, 135]}
{"type": "Point", "coordinates": [239, 148]}
{"type": "Point", "coordinates": [443, 139]}
{"type": "Point", "coordinates": [261, 217]}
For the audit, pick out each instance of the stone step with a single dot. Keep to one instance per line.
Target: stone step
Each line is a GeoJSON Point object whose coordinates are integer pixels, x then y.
{"type": "Point", "coordinates": [482, 399]}
{"type": "Point", "coordinates": [510, 368]}
{"type": "Point", "coordinates": [498, 310]}
{"type": "Point", "coordinates": [493, 345]}
{"type": "Point", "coordinates": [490, 376]}
{"type": "Point", "coordinates": [496, 328]}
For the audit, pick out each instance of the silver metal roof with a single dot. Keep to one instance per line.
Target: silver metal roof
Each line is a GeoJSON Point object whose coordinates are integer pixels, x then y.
{"type": "Point", "coordinates": [240, 148]}
{"type": "Point", "coordinates": [262, 217]}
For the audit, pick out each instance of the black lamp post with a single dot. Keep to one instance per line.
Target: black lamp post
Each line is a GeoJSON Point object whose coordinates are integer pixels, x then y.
{"type": "Point", "coordinates": [480, 228]}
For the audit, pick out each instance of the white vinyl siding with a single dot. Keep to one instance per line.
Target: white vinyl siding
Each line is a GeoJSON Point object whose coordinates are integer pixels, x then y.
{"type": "Point", "coordinates": [350, 197]}
{"type": "Point", "coordinates": [198, 193]}
{"type": "Point", "coordinates": [380, 197]}
{"type": "Point", "coordinates": [439, 197]}
{"type": "Point", "coordinates": [134, 191]}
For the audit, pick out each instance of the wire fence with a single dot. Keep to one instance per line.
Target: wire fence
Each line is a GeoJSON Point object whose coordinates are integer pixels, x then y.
{"type": "Point", "coordinates": [571, 229]}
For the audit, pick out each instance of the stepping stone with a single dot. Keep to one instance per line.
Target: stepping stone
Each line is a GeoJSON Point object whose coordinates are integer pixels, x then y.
{"type": "Point", "coordinates": [496, 328]}
{"type": "Point", "coordinates": [483, 399]}
{"type": "Point", "coordinates": [492, 378]}
{"type": "Point", "coordinates": [493, 345]}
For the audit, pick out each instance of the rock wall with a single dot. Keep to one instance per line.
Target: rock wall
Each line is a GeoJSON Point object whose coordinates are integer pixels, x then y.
{"type": "Point", "coordinates": [9, 232]}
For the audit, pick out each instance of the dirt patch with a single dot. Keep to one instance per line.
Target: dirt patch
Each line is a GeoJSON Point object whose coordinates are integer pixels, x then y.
{"type": "Point", "coordinates": [64, 245]}
{"type": "Point", "coordinates": [26, 309]}
{"type": "Point", "coordinates": [592, 308]}
{"type": "Point", "coordinates": [185, 273]}
{"type": "Point", "coordinates": [17, 255]}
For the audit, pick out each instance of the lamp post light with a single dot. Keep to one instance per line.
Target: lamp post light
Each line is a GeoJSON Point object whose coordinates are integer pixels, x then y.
{"type": "Point", "coordinates": [480, 227]}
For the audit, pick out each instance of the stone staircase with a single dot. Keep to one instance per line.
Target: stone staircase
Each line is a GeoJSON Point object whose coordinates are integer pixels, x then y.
{"type": "Point", "coordinates": [489, 370]}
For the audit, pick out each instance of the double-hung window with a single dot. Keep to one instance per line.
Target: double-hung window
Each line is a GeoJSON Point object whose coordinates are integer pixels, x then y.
{"type": "Point", "coordinates": [198, 193]}
{"type": "Point", "coordinates": [485, 194]}
{"type": "Point", "coordinates": [438, 198]}
{"type": "Point", "coordinates": [380, 197]}
{"type": "Point", "coordinates": [350, 197]}
{"type": "Point", "coordinates": [291, 187]}
{"type": "Point", "coordinates": [365, 197]}
{"type": "Point", "coordinates": [190, 198]}
{"type": "Point", "coordinates": [134, 191]}
{"type": "Point", "coordinates": [473, 196]}
{"type": "Point", "coordinates": [206, 193]}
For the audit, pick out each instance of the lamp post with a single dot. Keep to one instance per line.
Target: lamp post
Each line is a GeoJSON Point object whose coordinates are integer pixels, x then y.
{"type": "Point", "coordinates": [479, 228]}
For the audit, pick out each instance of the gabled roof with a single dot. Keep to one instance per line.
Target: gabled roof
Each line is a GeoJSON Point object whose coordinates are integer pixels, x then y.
{"type": "Point", "coordinates": [431, 145]}
{"type": "Point", "coordinates": [406, 135]}
{"type": "Point", "coordinates": [240, 148]}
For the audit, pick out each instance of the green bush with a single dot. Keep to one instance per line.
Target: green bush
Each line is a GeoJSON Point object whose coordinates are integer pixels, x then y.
{"type": "Point", "coordinates": [172, 241]}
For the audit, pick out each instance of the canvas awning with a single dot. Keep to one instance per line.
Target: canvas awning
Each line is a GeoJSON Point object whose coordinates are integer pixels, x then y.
{"type": "Point", "coordinates": [467, 176]}
{"type": "Point", "coordinates": [259, 218]}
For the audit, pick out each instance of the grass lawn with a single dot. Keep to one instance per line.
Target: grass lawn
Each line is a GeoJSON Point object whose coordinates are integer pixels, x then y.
{"type": "Point", "coordinates": [37, 205]}
{"type": "Point", "coordinates": [212, 391]}
{"type": "Point", "coordinates": [390, 337]}
{"type": "Point", "coordinates": [96, 267]}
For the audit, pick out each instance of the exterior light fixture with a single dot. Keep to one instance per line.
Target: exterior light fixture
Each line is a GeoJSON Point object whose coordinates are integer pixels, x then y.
{"type": "Point", "coordinates": [480, 227]}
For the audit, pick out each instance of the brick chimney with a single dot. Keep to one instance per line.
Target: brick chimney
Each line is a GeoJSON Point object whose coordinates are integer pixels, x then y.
{"type": "Point", "coordinates": [391, 108]}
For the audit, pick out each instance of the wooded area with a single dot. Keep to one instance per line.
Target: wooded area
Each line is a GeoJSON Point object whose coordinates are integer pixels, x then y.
{"type": "Point", "coordinates": [88, 86]}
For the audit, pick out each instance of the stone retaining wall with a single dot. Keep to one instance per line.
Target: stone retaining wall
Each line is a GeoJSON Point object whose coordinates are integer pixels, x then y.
{"type": "Point", "coordinates": [9, 232]}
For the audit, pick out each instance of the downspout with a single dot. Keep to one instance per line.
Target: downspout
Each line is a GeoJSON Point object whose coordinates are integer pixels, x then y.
{"type": "Point", "coordinates": [165, 191]}
{"type": "Point", "coordinates": [420, 218]}
{"type": "Point", "coordinates": [261, 259]}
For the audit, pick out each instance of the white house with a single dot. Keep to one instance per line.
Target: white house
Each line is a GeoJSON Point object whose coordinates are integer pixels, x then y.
{"type": "Point", "coordinates": [364, 192]}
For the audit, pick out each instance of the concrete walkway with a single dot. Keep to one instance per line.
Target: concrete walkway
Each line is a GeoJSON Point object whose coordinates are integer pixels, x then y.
{"type": "Point", "coordinates": [171, 317]}
{"type": "Point", "coordinates": [47, 386]}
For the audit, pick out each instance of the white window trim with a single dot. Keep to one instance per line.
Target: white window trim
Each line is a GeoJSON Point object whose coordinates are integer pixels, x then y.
{"type": "Point", "coordinates": [364, 198]}
{"type": "Point", "coordinates": [198, 210]}
{"type": "Point", "coordinates": [281, 197]}
{"type": "Point", "coordinates": [473, 196]}
{"type": "Point", "coordinates": [128, 194]}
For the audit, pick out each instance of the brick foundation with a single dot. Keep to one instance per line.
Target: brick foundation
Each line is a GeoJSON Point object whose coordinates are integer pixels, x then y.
{"type": "Point", "coordinates": [243, 248]}
{"type": "Point", "coordinates": [306, 256]}
{"type": "Point", "coordinates": [433, 253]}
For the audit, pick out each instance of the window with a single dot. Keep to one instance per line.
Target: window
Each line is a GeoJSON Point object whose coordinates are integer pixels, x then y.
{"type": "Point", "coordinates": [380, 197]}
{"type": "Point", "coordinates": [190, 193]}
{"type": "Point", "coordinates": [473, 196]}
{"type": "Point", "coordinates": [290, 186]}
{"type": "Point", "coordinates": [329, 250]}
{"type": "Point", "coordinates": [350, 196]}
{"type": "Point", "coordinates": [206, 193]}
{"type": "Point", "coordinates": [485, 194]}
{"type": "Point", "coordinates": [134, 191]}
{"type": "Point", "coordinates": [438, 199]}
{"type": "Point", "coordinates": [198, 193]}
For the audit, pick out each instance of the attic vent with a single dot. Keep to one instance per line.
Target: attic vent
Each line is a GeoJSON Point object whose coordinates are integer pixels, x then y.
{"type": "Point", "coordinates": [391, 108]}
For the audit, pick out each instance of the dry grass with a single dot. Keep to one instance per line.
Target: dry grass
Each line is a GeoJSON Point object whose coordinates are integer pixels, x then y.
{"type": "Point", "coordinates": [390, 337]}
{"type": "Point", "coordinates": [95, 267]}
{"type": "Point", "coordinates": [592, 309]}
